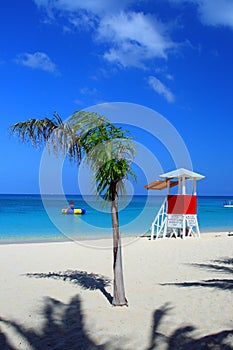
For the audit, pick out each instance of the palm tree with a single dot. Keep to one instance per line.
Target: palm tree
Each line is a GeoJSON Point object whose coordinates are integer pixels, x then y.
{"type": "Point", "coordinates": [108, 149]}
{"type": "Point", "coordinates": [110, 161]}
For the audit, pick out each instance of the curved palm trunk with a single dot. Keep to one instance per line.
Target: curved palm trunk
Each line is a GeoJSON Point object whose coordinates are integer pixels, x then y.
{"type": "Point", "coordinates": [119, 298]}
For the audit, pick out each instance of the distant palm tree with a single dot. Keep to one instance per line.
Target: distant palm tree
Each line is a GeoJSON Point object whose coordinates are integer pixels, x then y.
{"type": "Point", "coordinates": [108, 149]}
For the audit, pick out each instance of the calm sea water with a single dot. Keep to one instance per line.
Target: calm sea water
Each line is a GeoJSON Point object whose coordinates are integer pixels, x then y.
{"type": "Point", "coordinates": [28, 218]}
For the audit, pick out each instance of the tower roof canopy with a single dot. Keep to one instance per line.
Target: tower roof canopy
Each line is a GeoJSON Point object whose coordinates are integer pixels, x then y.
{"type": "Point", "coordinates": [160, 184]}
{"type": "Point", "coordinates": [184, 173]}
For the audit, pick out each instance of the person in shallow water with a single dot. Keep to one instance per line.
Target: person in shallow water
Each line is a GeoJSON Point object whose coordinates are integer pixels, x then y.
{"type": "Point", "coordinates": [70, 208]}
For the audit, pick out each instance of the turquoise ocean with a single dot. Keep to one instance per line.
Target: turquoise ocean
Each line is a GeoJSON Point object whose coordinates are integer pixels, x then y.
{"type": "Point", "coordinates": [28, 218]}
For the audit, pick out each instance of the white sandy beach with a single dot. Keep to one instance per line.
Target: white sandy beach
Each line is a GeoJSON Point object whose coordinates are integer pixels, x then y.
{"type": "Point", "coordinates": [179, 294]}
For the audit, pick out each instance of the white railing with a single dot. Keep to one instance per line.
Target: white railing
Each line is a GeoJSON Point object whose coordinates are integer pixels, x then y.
{"type": "Point", "coordinates": [159, 222]}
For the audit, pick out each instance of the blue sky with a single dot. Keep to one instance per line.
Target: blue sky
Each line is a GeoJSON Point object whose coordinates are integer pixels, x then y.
{"type": "Point", "coordinates": [172, 56]}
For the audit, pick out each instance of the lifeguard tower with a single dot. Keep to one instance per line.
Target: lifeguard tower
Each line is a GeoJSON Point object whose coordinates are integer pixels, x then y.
{"type": "Point", "coordinates": [178, 213]}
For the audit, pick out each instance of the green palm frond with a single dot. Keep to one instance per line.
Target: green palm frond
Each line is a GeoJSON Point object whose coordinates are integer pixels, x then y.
{"type": "Point", "coordinates": [111, 175]}
{"type": "Point", "coordinates": [109, 149]}
{"type": "Point", "coordinates": [53, 132]}
{"type": "Point", "coordinates": [35, 130]}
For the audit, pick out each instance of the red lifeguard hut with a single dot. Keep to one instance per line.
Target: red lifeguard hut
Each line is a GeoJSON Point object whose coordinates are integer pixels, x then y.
{"type": "Point", "coordinates": [178, 213]}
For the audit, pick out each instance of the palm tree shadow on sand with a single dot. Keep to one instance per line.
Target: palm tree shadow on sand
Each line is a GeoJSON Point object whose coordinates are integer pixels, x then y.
{"type": "Point", "coordinates": [4, 344]}
{"type": "Point", "coordinates": [85, 280]}
{"type": "Point", "coordinates": [63, 328]}
{"type": "Point", "coordinates": [224, 265]}
{"type": "Point", "coordinates": [182, 337]}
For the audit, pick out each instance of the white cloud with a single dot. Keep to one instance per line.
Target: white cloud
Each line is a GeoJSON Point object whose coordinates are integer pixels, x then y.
{"type": "Point", "coordinates": [161, 89]}
{"type": "Point", "coordinates": [78, 102]}
{"type": "Point", "coordinates": [133, 38]}
{"type": "Point", "coordinates": [88, 91]}
{"type": "Point", "coordinates": [213, 12]}
{"type": "Point", "coordinates": [218, 12]}
{"type": "Point", "coordinates": [97, 7]}
{"type": "Point", "coordinates": [169, 77]}
{"type": "Point", "coordinates": [37, 60]}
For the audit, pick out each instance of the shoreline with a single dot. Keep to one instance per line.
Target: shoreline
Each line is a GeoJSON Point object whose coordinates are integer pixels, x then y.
{"type": "Point", "coordinates": [24, 219]}
{"type": "Point", "coordinates": [99, 238]}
